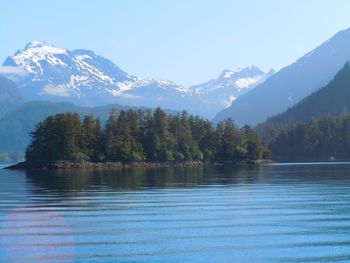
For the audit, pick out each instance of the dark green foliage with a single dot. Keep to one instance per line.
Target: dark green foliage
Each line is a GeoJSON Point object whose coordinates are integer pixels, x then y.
{"type": "Point", "coordinates": [122, 137]}
{"type": "Point", "coordinates": [60, 137]}
{"type": "Point", "coordinates": [92, 138]}
{"type": "Point", "coordinates": [159, 142]}
{"type": "Point", "coordinates": [323, 138]}
{"type": "Point", "coordinates": [141, 136]}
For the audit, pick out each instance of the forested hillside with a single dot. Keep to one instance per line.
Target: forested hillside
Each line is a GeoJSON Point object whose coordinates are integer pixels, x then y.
{"type": "Point", "coordinates": [332, 99]}
{"type": "Point", "coordinates": [318, 139]}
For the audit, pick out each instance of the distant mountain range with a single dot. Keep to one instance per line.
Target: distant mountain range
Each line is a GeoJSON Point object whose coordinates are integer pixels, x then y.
{"type": "Point", "coordinates": [333, 99]}
{"type": "Point", "coordinates": [45, 72]}
{"type": "Point", "coordinates": [292, 83]}
{"type": "Point", "coordinates": [225, 89]}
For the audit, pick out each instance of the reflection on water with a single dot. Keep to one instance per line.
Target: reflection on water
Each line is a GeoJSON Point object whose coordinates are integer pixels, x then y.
{"type": "Point", "coordinates": [268, 213]}
{"type": "Point", "coordinates": [133, 179]}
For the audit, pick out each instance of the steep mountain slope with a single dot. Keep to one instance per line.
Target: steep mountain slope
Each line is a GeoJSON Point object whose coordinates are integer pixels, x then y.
{"type": "Point", "coordinates": [10, 96]}
{"type": "Point", "coordinates": [333, 99]}
{"type": "Point", "coordinates": [292, 83]}
{"type": "Point", "coordinates": [87, 79]}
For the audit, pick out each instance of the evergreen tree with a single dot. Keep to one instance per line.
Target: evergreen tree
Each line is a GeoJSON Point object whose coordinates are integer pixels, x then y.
{"type": "Point", "coordinates": [322, 138]}
{"type": "Point", "coordinates": [92, 138]}
{"type": "Point", "coordinates": [137, 136]}
{"type": "Point", "coordinates": [59, 137]}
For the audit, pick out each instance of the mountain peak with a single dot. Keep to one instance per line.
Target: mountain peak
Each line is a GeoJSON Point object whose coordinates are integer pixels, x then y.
{"type": "Point", "coordinates": [83, 77]}
{"type": "Point", "coordinates": [37, 48]}
{"type": "Point", "coordinates": [35, 44]}
{"type": "Point", "coordinates": [35, 53]}
{"type": "Point", "coordinates": [254, 70]}
{"type": "Point", "coordinates": [230, 84]}
{"type": "Point", "coordinates": [292, 83]}
{"type": "Point", "coordinates": [250, 71]}
{"type": "Point", "coordinates": [337, 90]}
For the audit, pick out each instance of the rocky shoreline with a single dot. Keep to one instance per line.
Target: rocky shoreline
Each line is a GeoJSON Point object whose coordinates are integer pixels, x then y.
{"type": "Point", "coordinates": [52, 165]}
{"type": "Point", "coordinates": [62, 164]}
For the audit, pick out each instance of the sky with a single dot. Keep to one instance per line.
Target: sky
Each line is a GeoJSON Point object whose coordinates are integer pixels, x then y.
{"type": "Point", "coordinates": [186, 41]}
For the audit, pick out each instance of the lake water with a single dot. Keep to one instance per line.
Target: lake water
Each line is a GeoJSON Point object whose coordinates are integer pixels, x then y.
{"type": "Point", "coordinates": [267, 213]}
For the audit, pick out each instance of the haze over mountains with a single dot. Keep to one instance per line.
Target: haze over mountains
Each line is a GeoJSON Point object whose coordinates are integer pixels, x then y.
{"type": "Point", "coordinates": [227, 87]}
{"type": "Point", "coordinates": [292, 83]}
{"type": "Point", "coordinates": [333, 99]}
{"type": "Point", "coordinates": [95, 85]}
{"type": "Point", "coordinates": [10, 96]}
{"type": "Point", "coordinates": [45, 72]}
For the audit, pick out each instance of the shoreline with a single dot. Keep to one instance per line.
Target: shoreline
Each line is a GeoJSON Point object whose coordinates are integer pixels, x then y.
{"type": "Point", "coordinates": [62, 164]}
{"type": "Point", "coordinates": [310, 160]}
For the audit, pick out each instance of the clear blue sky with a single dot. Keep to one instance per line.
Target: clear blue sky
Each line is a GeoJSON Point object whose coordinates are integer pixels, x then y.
{"type": "Point", "coordinates": [182, 40]}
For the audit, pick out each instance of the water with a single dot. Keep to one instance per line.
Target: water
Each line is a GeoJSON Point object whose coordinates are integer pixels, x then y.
{"type": "Point", "coordinates": [269, 213]}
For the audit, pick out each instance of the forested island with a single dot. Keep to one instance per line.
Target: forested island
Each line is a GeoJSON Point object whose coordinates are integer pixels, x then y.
{"type": "Point", "coordinates": [145, 137]}
{"type": "Point", "coordinates": [142, 136]}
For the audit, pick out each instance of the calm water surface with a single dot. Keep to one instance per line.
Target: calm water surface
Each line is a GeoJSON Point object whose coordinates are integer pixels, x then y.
{"type": "Point", "coordinates": [269, 213]}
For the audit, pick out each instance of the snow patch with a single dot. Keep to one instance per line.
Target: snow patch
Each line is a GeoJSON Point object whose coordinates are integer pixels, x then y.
{"type": "Point", "coordinates": [228, 74]}
{"type": "Point", "coordinates": [229, 101]}
{"type": "Point", "coordinates": [243, 83]}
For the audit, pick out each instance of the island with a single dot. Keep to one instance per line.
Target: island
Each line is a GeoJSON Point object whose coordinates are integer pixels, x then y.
{"type": "Point", "coordinates": [138, 138]}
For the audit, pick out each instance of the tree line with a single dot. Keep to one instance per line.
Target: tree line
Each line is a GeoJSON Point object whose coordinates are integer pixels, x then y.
{"type": "Point", "coordinates": [133, 135]}
{"type": "Point", "coordinates": [318, 139]}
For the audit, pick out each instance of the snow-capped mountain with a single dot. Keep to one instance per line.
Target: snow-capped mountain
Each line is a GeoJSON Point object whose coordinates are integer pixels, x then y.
{"type": "Point", "coordinates": [231, 84]}
{"type": "Point", "coordinates": [292, 83]}
{"type": "Point", "coordinates": [80, 76]}
{"type": "Point", "coordinates": [85, 78]}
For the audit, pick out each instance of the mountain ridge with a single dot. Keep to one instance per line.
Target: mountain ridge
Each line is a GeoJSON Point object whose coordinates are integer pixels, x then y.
{"type": "Point", "coordinates": [87, 79]}
{"type": "Point", "coordinates": [231, 84]}
{"type": "Point", "coordinates": [292, 83]}
{"type": "Point", "coordinates": [334, 98]}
